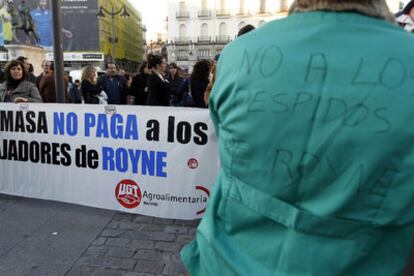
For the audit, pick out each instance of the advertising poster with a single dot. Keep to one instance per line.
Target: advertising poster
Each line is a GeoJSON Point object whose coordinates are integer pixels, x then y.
{"type": "Point", "coordinates": [80, 30]}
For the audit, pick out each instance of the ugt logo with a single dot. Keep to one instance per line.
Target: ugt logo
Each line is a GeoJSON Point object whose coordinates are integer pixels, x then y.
{"type": "Point", "coordinates": [128, 193]}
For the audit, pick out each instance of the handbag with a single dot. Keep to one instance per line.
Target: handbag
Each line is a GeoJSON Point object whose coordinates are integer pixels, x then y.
{"type": "Point", "coordinates": [188, 100]}
{"type": "Point", "coordinates": [102, 97]}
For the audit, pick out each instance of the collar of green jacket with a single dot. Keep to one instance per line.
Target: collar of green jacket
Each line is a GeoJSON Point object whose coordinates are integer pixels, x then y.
{"type": "Point", "coordinates": [373, 8]}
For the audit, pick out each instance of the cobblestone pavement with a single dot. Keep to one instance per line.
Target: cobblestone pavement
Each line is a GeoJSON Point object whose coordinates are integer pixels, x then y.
{"type": "Point", "coordinates": [40, 237]}
{"type": "Point", "coordinates": [135, 245]}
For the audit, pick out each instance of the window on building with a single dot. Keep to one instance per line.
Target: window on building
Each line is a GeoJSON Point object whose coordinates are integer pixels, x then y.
{"type": "Point", "coordinates": [182, 6]}
{"type": "Point", "coordinates": [204, 30]}
{"type": "Point", "coordinates": [204, 5]}
{"type": "Point", "coordinates": [183, 31]}
{"type": "Point", "coordinates": [222, 29]}
{"type": "Point", "coordinates": [182, 53]}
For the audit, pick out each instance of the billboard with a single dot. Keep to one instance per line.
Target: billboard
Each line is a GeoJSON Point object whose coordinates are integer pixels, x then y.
{"type": "Point", "coordinates": [80, 30]}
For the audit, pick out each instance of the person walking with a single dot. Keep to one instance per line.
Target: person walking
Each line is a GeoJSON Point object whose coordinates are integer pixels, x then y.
{"type": "Point", "coordinates": [17, 88]}
{"type": "Point", "coordinates": [158, 86]}
{"type": "Point", "coordinates": [316, 161]}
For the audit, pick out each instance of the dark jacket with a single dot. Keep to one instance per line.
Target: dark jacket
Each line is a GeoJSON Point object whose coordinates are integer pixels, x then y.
{"type": "Point", "coordinates": [25, 89]}
{"type": "Point", "coordinates": [198, 87]}
{"type": "Point", "coordinates": [120, 83]}
{"type": "Point", "coordinates": [158, 91]}
{"type": "Point", "coordinates": [175, 85]}
{"type": "Point", "coordinates": [139, 89]}
{"type": "Point", "coordinates": [89, 91]}
{"type": "Point", "coordinates": [32, 78]}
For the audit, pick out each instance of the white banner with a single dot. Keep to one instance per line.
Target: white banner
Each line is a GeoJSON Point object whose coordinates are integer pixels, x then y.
{"type": "Point", "coordinates": [155, 161]}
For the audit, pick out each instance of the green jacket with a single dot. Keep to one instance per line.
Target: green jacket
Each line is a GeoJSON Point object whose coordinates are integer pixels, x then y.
{"type": "Point", "coordinates": [314, 117]}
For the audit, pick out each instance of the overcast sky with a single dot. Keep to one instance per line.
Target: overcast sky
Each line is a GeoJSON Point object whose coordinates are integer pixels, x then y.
{"type": "Point", "coordinates": [154, 13]}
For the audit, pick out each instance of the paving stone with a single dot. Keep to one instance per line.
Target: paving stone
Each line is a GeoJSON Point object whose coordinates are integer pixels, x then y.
{"type": "Point", "coordinates": [140, 218]}
{"type": "Point", "coordinates": [174, 268]}
{"type": "Point", "coordinates": [176, 229]}
{"type": "Point", "coordinates": [99, 241]}
{"type": "Point", "coordinates": [90, 261]}
{"type": "Point", "coordinates": [161, 236]}
{"type": "Point", "coordinates": [124, 217]}
{"type": "Point", "coordinates": [112, 233]}
{"type": "Point", "coordinates": [107, 262]}
{"type": "Point", "coordinates": [92, 271]}
{"type": "Point", "coordinates": [118, 263]}
{"type": "Point", "coordinates": [148, 255]}
{"type": "Point", "coordinates": [137, 244]}
{"type": "Point", "coordinates": [163, 221]}
{"type": "Point", "coordinates": [120, 252]}
{"type": "Point", "coordinates": [171, 257]}
{"type": "Point", "coordinates": [184, 239]}
{"type": "Point", "coordinates": [148, 266]}
{"type": "Point", "coordinates": [113, 225]}
{"type": "Point", "coordinates": [192, 223]}
{"type": "Point", "coordinates": [192, 231]}
{"type": "Point", "coordinates": [130, 226]}
{"type": "Point", "coordinates": [167, 246]}
{"type": "Point", "coordinates": [136, 235]}
{"type": "Point", "coordinates": [153, 227]}
{"type": "Point", "coordinates": [96, 251]}
{"type": "Point", "coordinates": [117, 242]}
{"type": "Point", "coordinates": [139, 274]}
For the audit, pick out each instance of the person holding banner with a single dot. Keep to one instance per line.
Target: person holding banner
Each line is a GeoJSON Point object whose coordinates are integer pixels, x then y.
{"type": "Point", "coordinates": [16, 88]}
{"type": "Point", "coordinates": [316, 147]}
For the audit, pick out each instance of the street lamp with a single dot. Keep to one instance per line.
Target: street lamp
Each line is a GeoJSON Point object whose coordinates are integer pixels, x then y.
{"type": "Point", "coordinates": [113, 13]}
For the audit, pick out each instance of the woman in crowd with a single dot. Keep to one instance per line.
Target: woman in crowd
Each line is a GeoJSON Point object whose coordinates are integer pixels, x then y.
{"type": "Point", "coordinates": [196, 84]}
{"type": "Point", "coordinates": [139, 87]}
{"type": "Point", "coordinates": [158, 86]}
{"type": "Point", "coordinates": [16, 88]}
{"type": "Point", "coordinates": [90, 90]}
{"type": "Point", "coordinates": [175, 82]}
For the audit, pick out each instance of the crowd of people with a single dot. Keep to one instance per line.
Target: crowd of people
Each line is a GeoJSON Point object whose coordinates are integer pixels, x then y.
{"type": "Point", "coordinates": [156, 83]}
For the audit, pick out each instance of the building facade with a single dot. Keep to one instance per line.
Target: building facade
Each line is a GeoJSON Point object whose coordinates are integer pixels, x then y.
{"type": "Point", "coordinates": [200, 29]}
{"type": "Point", "coordinates": [121, 36]}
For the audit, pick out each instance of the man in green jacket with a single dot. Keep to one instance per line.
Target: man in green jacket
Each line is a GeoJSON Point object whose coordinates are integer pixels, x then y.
{"type": "Point", "coordinates": [314, 117]}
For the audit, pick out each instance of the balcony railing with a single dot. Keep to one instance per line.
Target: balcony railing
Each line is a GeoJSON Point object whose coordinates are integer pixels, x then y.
{"type": "Point", "coordinates": [182, 14]}
{"type": "Point", "coordinates": [204, 58]}
{"type": "Point", "coordinates": [182, 40]}
{"type": "Point", "coordinates": [204, 39]}
{"type": "Point", "coordinates": [204, 14]}
{"type": "Point", "coordinates": [221, 13]}
{"type": "Point", "coordinates": [183, 58]}
{"type": "Point", "coordinates": [223, 39]}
